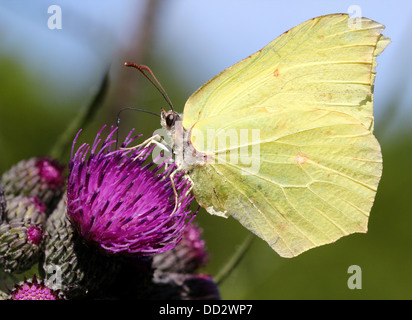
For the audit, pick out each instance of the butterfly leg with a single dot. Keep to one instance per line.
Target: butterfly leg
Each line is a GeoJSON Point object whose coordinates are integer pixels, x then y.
{"type": "Point", "coordinates": [145, 143]}
{"type": "Point", "coordinates": [172, 175]}
{"type": "Point", "coordinates": [152, 140]}
{"type": "Point", "coordinates": [191, 183]}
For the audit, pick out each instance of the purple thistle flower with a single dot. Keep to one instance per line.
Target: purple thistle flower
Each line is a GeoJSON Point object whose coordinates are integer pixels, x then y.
{"type": "Point", "coordinates": [34, 290]}
{"type": "Point", "coordinates": [121, 203]}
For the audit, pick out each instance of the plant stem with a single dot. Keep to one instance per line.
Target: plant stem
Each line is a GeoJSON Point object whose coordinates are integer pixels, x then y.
{"type": "Point", "coordinates": [234, 260]}
{"type": "Point", "coordinates": [62, 145]}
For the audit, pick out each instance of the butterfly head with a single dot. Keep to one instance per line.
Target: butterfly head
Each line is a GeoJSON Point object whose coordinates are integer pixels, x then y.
{"type": "Point", "coordinates": [169, 119]}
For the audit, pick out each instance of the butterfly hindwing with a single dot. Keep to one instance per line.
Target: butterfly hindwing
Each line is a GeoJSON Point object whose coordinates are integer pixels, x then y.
{"type": "Point", "coordinates": [315, 181]}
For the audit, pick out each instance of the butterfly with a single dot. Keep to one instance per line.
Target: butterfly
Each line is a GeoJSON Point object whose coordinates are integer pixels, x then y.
{"type": "Point", "coordinates": [283, 140]}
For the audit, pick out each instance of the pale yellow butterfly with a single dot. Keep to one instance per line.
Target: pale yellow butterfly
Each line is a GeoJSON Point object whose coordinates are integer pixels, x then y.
{"type": "Point", "coordinates": [282, 141]}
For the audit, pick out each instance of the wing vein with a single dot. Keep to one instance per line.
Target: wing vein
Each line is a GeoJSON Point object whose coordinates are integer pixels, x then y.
{"type": "Point", "coordinates": [254, 205]}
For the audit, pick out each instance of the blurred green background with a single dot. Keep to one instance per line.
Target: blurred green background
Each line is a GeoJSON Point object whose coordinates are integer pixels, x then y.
{"type": "Point", "coordinates": [48, 76]}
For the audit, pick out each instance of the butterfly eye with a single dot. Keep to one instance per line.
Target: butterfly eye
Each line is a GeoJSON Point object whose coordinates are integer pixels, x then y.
{"type": "Point", "coordinates": [170, 120]}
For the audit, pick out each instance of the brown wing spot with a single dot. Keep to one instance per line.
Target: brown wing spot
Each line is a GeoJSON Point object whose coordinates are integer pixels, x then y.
{"type": "Point", "coordinates": [281, 226]}
{"type": "Point", "coordinates": [300, 158]}
{"type": "Point", "coordinates": [326, 96]}
{"type": "Point", "coordinates": [276, 73]}
{"type": "Point", "coordinates": [321, 37]}
{"type": "Point", "coordinates": [254, 53]}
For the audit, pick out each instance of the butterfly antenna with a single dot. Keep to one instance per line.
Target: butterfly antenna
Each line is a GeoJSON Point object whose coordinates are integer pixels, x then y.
{"type": "Point", "coordinates": [145, 70]}
{"type": "Point", "coordinates": [129, 108]}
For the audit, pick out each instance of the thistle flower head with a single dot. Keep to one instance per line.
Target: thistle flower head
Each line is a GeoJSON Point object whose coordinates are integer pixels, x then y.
{"type": "Point", "coordinates": [124, 204]}
{"type": "Point", "coordinates": [85, 271]}
{"type": "Point", "coordinates": [34, 290]}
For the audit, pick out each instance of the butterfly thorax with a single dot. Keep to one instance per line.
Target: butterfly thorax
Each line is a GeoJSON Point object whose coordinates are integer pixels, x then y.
{"type": "Point", "coordinates": [186, 156]}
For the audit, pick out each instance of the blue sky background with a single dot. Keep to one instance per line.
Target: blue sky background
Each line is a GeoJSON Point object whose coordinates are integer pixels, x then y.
{"type": "Point", "coordinates": [216, 34]}
{"type": "Point", "coordinates": [201, 38]}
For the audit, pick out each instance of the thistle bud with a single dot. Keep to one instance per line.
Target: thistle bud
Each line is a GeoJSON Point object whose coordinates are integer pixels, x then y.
{"type": "Point", "coordinates": [188, 255]}
{"type": "Point", "coordinates": [3, 295]}
{"type": "Point", "coordinates": [36, 177]}
{"type": "Point", "coordinates": [20, 245]}
{"type": "Point", "coordinates": [176, 286]}
{"type": "Point", "coordinates": [2, 204]}
{"type": "Point", "coordinates": [30, 210]}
